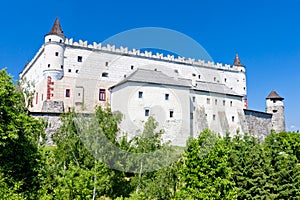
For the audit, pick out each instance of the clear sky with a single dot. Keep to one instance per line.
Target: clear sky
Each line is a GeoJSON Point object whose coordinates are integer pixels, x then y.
{"type": "Point", "coordinates": [264, 33]}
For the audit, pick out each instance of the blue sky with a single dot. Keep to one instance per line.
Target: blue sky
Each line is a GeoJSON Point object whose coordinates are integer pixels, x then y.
{"type": "Point", "coordinates": [264, 33]}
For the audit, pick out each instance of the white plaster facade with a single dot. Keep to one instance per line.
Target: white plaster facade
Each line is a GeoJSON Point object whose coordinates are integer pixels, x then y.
{"type": "Point", "coordinates": [85, 75]}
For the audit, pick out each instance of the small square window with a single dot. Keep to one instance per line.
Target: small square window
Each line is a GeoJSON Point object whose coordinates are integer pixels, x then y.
{"type": "Point", "coordinates": [167, 96]}
{"type": "Point", "coordinates": [56, 53]}
{"type": "Point", "coordinates": [79, 58]}
{"type": "Point", "coordinates": [102, 95]}
{"type": "Point", "coordinates": [69, 70]}
{"type": "Point", "coordinates": [171, 113]}
{"type": "Point", "coordinates": [147, 112]}
{"type": "Point", "coordinates": [140, 94]}
{"type": "Point", "coordinates": [67, 92]}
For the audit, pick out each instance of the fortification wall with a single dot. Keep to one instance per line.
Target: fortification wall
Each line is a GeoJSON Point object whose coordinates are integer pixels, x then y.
{"type": "Point", "coordinates": [259, 123]}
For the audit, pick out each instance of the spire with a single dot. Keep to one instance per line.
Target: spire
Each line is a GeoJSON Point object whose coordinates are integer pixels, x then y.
{"type": "Point", "coordinates": [237, 61]}
{"type": "Point", "coordinates": [56, 29]}
{"type": "Point", "coordinates": [274, 95]}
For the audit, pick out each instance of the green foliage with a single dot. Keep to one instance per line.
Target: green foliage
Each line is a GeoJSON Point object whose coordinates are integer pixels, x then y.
{"type": "Point", "coordinates": [80, 165]}
{"type": "Point", "coordinates": [20, 139]}
{"type": "Point", "coordinates": [205, 171]}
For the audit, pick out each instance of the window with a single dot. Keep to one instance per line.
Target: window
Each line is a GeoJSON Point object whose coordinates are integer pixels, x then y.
{"type": "Point", "coordinates": [167, 96]}
{"type": "Point", "coordinates": [49, 40]}
{"type": "Point", "coordinates": [225, 80]}
{"type": "Point", "coordinates": [102, 95]}
{"type": "Point", "coordinates": [224, 102]}
{"type": "Point", "coordinates": [199, 76]}
{"type": "Point", "coordinates": [105, 74]}
{"type": "Point", "coordinates": [147, 112]}
{"type": "Point", "coordinates": [78, 94]}
{"type": "Point", "coordinates": [140, 94]}
{"type": "Point", "coordinates": [69, 70]}
{"type": "Point", "coordinates": [232, 118]}
{"type": "Point", "coordinates": [77, 71]}
{"type": "Point", "coordinates": [274, 111]}
{"type": "Point", "coordinates": [42, 97]}
{"type": "Point", "coordinates": [230, 103]}
{"type": "Point", "coordinates": [106, 64]}
{"type": "Point", "coordinates": [176, 70]}
{"type": "Point", "coordinates": [48, 65]}
{"type": "Point", "coordinates": [194, 99]}
{"type": "Point", "coordinates": [274, 101]}
{"type": "Point", "coordinates": [244, 89]}
{"type": "Point", "coordinates": [67, 92]}
{"type": "Point", "coordinates": [215, 79]}
{"type": "Point", "coordinates": [171, 113]}
{"type": "Point", "coordinates": [214, 117]}
{"type": "Point", "coordinates": [79, 58]}
{"type": "Point", "coordinates": [208, 100]}
{"type": "Point", "coordinates": [60, 41]}
{"type": "Point", "coordinates": [132, 67]}
{"type": "Point", "coordinates": [36, 98]}
{"type": "Point", "coordinates": [56, 53]}
{"type": "Point", "coordinates": [193, 74]}
{"type": "Point", "coordinates": [61, 66]}
{"type": "Point", "coordinates": [216, 102]}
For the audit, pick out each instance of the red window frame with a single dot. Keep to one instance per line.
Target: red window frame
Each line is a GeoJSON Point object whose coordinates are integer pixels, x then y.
{"type": "Point", "coordinates": [102, 94]}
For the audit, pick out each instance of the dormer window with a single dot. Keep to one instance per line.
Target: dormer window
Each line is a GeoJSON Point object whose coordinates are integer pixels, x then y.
{"type": "Point", "coordinates": [105, 74]}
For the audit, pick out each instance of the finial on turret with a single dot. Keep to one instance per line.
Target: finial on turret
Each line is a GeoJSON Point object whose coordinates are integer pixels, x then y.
{"type": "Point", "coordinates": [56, 29]}
{"type": "Point", "coordinates": [237, 61]}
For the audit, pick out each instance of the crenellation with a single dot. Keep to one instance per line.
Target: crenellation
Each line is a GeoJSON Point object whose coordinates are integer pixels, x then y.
{"type": "Point", "coordinates": [148, 54]}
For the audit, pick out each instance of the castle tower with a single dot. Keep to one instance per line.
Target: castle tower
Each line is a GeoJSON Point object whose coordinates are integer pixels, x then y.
{"type": "Point", "coordinates": [275, 106]}
{"type": "Point", "coordinates": [237, 63]}
{"type": "Point", "coordinates": [54, 48]}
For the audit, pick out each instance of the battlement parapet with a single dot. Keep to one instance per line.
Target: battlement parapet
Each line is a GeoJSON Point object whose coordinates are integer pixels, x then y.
{"type": "Point", "coordinates": [148, 54]}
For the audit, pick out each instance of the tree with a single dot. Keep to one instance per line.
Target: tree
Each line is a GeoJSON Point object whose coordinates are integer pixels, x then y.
{"type": "Point", "coordinates": [20, 139]}
{"type": "Point", "coordinates": [205, 171]}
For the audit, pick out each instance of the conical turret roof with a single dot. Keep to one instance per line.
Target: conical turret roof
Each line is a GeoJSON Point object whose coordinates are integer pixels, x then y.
{"type": "Point", "coordinates": [237, 61]}
{"type": "Point", "coordinates": [274, 95]}
{"type": "Point", "coordinates": [56, 29]}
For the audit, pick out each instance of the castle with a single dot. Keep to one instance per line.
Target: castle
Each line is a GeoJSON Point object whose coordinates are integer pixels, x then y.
{"type": "Point", "coordinates": [184, 95]}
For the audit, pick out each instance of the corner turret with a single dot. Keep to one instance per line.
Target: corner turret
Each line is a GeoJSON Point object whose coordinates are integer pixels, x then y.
{"type": "Point", "coordinates": [54, 52]}
{"type": "Point", "coordinates": [275, 106]}
{"type": "Point", "coordinates": [243, 88]}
